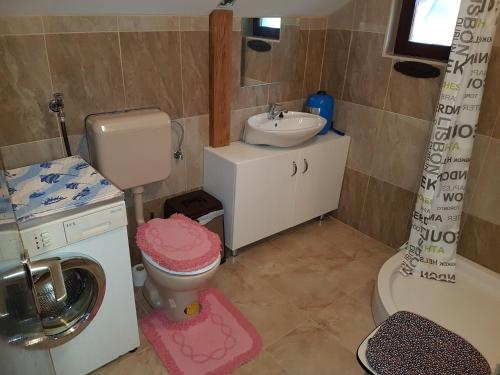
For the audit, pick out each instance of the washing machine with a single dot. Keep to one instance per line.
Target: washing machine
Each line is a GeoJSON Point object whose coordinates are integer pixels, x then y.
{"type": "Point", "coordinates": [73, 226]}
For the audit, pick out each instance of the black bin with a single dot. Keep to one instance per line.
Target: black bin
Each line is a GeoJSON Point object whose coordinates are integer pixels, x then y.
{"type": "Point", "coordinates": [202, 207]}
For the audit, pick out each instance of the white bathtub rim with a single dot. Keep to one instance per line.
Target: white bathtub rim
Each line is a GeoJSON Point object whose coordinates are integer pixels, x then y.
{"type": "Point", "coordinates": [384, 305]}
{"type": "Point", "coordinates": [384, 300]}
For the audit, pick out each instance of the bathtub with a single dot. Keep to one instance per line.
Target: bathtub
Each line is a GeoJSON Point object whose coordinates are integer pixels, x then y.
{"type": "Point", "coordinates": [470, 307]}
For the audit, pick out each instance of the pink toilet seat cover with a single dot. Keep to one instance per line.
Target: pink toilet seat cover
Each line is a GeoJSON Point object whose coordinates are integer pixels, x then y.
{"type": "Point", "coordinates": [178, 243]}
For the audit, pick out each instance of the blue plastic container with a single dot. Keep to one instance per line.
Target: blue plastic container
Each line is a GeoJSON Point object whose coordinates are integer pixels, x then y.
{"type": "Point", "coordinates": [322, 104]}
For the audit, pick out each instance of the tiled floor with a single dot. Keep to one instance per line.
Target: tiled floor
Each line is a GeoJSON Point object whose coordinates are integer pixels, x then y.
{"type": "Point", "coordinates": [307, 291]}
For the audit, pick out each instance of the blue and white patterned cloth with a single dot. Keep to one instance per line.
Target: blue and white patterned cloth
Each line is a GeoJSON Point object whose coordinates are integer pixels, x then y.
{"type": "Point", "coordinates": [55, 186]}
{"type": "Point", "coordinates": [6, 213]}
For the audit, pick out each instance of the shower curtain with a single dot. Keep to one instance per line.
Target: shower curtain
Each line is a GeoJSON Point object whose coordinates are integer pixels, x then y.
{"type": "Point", "coordinates": [431, 249]}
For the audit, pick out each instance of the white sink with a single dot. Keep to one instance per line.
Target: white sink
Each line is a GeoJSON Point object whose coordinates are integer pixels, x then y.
{"type": "Point", "coordinates": [292, 129]}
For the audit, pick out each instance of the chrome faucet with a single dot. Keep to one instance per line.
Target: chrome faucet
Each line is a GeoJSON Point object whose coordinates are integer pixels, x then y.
{"type": "Point", "coordinates": [276, 110]}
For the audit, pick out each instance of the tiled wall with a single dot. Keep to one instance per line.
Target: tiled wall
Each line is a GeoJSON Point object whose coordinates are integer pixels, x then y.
{"type": "Point", "coordinates": [104, 63]}
{"type": "Point", "coordinates": [388, 115]}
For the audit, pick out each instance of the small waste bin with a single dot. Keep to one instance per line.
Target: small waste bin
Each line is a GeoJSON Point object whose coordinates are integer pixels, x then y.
{"type": "Point", "coordinates": [202, 207]}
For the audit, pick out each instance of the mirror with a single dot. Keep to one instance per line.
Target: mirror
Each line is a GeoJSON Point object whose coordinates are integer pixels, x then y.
{"type": "Point", "coordinates": [269, 50]}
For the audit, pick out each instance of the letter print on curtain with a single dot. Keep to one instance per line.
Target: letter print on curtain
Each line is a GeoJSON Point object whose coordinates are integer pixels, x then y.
{"type": "Point", "coordinates": [431, 249]}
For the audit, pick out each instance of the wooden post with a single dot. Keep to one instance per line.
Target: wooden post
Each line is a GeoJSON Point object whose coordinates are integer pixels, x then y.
{"type": "Point", "coordinates": [221, 29]}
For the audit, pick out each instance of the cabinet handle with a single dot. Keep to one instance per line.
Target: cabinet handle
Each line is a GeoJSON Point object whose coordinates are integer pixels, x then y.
{"type": "Point", "coordinates": [306, 166]}
{"type": "Point", "coordinates": [294, 169]}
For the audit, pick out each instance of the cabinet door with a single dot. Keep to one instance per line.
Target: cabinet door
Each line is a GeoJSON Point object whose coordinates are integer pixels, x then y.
{"type": "Point", "coordinates": [264, 196]}
{"type": "Point", "coordinates": [321, 171]}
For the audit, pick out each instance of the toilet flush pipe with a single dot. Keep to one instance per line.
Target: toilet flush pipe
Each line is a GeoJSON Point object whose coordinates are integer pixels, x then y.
{"type": "Point", "coordinates": [138, 206]}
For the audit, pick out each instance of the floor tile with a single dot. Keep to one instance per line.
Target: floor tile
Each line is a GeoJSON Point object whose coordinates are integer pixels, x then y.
{"type": "Point", "coordinates": [264, 364]}
{"type": "Point", "coordinates": [309, 349]}
{"type": "Point", "coordinates": [349, 320]}
{"type": "Point", "coordinates": [306, 290]}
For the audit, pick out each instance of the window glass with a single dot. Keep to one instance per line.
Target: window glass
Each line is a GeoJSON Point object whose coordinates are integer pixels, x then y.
{"type": "Point", "coordinates": [434, 21]}
{"type": "Point", "coordinates": [273, 22]}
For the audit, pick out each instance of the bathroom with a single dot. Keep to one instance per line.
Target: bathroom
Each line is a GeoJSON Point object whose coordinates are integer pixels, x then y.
{"type": "Point", "coordinates": [305, 267]}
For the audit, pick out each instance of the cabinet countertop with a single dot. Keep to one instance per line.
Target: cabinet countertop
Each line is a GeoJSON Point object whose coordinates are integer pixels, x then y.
{"type": "Point", "coordinates": [240, 152]}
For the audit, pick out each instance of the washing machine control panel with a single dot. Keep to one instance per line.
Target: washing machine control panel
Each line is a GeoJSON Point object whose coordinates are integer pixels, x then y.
{"type": "Point", "coordinates": [64, 231]}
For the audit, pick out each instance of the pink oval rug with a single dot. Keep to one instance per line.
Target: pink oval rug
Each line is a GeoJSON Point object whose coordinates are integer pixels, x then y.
{"type": "Point", "coordinates": [217, 341]}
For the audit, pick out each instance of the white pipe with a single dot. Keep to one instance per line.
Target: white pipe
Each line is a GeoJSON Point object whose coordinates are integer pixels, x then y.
{"type": "Point", "coordinates": [138, 206]}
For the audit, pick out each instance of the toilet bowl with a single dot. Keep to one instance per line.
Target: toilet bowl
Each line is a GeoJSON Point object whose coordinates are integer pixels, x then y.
{"type": "Point", "coordinates": [176, 293]}
{"type": "Point", "coordinates": [179, 254]}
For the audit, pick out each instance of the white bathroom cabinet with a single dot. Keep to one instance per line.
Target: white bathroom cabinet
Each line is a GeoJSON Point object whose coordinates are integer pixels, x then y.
{"type": "Point", "coordinates": [265, 190]}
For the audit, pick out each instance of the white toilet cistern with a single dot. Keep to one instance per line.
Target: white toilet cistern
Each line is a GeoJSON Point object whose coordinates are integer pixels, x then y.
{"type": "Point", "coordinates": [127, 162]}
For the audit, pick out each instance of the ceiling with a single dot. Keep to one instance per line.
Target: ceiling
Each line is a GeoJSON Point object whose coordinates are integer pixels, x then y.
{"type": "Point", "coordinates": [242, 8]}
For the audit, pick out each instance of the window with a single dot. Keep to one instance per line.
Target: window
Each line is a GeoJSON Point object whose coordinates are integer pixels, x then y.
{"type": "Point", "coordinates": [426, 28]}
{"type": "Point", "coordinates": [267, 27]}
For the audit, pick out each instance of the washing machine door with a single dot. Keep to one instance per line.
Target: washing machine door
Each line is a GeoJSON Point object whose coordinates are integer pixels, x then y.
{"type": "Point", "coordinates": [68, 293]}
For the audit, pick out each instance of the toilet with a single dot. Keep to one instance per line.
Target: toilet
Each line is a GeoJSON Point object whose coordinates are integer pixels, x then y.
{"type": "Point", "coordinates": [133, 149]}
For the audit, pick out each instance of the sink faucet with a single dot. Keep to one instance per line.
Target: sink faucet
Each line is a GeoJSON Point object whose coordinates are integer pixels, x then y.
{"type": "Point", "coordinates": [275, 110]}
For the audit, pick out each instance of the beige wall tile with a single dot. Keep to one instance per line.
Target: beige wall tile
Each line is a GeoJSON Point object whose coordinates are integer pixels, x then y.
{"type": "Point", "coordinates": [371, 15]}
{"type": "Point", "coordinates": [148, 23]}
{"type": "Point", "coordinates": [196, 138]}
{"type": "Point", "coordinates": [486, 201]}
{"type": "Point", "coordinates": [415, 97]}
{"type": "Point", "coordinates": [401, 148]}
{"type": "Point", "coordinates": [479, 242]}
{"type": "Point", "coordinates": [10, 25]}
{"type": "Point", "coordinates": [352, 197]}
{"type": "Point", "coordinates": [288, 56]}
{"type": "Point", "coordinates": [317, 23]}
{"type": "Point", "coordinates": [236, 23]}
{"type": "Point", "coordinates": [195, 85]}
{"type": "Point", "coordinates": [65, 24]}
{"type": "Point", "coordinates": [194, 23]}
{"type": "Point", "coordinates": [25, 91]}
{"type": "Point", "coordinates": [22, 154]}
{"type": "Point", "coordinates": [367, 71]}
{"type": "Point", "coordinates": [79, 146]}
{"type": "Point", "coordinates": [341, 114]}
{"type": "Point", "coordinates": [342, 17]}
{"type": "Point", "coordinates": [386, 213]}
{"type": "Point", "coordinates": [335, 61]}
{"type": "Point", "coordinates": [490, 105]}
{"type": "Point", "coordinates": [363, 124]}
{"type": "Point", "coordinates": [239, 118]}
{"type": "Point", "coordinates": [244, 97]}
{"type": "Point", "coordinates": [176, 183]}
{"type": "Point", "coordinates": [314, 61]}
{"type": "Point", "coordinates": [294, 105]}
{"type": "Point", "coordinates": [290, 21]}
{"type": "Point", "coordinates": [152, 70]}
{"type": "Point", "coordinates": [86, 68]}
{"type": "Point", "coordinates": [312, 23]}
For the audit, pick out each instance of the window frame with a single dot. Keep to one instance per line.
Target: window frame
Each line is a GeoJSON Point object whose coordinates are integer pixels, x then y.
{"type": "Point", "coordinates": [265, 32]}
{"type": "Point", "coordinates": [403, 45]}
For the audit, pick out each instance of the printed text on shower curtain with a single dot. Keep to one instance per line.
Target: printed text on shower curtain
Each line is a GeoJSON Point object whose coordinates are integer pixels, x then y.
{"type": "Point", "coordinates": [431, 249]}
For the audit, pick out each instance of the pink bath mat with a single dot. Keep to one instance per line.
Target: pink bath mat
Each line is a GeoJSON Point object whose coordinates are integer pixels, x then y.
{"type": "Point", "coordinates": [217, 341]}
